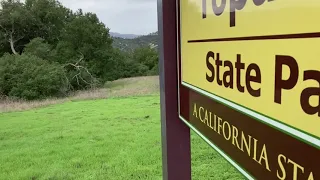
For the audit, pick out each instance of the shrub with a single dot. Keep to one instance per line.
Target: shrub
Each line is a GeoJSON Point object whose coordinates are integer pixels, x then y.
{"type": "Point", "coordinates": [38, 47]}
{"type": "Point", "coordinates": [29, 77]}
{"type": "Point", "coordinates": [154, 71]}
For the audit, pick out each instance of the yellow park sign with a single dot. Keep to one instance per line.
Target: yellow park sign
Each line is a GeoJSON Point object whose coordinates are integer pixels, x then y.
{"type": "Point", "coordinates": [260, 57]}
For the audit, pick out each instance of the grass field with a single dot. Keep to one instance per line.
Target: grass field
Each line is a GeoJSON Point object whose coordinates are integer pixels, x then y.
{"type": "Point", "coordinates": [116, 138]}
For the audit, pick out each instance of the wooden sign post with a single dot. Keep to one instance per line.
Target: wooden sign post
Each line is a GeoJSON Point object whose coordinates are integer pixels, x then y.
{"type": "Point", "coordinates": [247, 78]}
{"type": "Point", "coordinates": [175, 135]}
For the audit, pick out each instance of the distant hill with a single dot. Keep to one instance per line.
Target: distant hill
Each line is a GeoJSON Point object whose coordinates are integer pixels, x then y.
{"type": "Point", "coordinates": [129, 45]}
{"type": "Point", "coordinates": [124, 36]}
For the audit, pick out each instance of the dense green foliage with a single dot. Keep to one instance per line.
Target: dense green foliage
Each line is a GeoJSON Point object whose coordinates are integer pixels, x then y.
{"type": "Point", "coordinates": [30, 77]}
{"type": "Point", "coordinates": [147, 57]}
{"type": "Point", "coordinates": [46, 39]}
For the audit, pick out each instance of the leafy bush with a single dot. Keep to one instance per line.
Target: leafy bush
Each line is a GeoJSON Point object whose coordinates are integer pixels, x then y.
{"type": "Point", "coordinates": [38, 47]}
{"type": "Point", "coordinates": [133, 69]}
{"type": "Point", "coordinates": [146, 56]}
{"type": "Point", "coordinates": [29, 77]}
{"type": "Point", "coordinates": [154, 71]}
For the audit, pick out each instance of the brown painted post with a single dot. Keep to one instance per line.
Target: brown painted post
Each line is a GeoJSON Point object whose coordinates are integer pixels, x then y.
{"type": "Point", "coordinates": [176, 157]}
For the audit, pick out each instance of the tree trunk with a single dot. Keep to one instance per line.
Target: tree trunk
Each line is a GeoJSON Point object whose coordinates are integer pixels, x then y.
{"type": "Point", "coordinates": [12, 45]}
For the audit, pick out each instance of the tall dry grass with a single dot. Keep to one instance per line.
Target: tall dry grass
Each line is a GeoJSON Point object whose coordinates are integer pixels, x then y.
{"type": "Point", "coordinates": [136, 86]}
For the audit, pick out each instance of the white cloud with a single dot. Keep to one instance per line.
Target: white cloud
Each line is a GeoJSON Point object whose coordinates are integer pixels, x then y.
{"type": "Point", "coordinates": [123, 16]}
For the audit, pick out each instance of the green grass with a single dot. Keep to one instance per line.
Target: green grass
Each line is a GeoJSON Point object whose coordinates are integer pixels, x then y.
{"type": "Point", "coordinates": [109, 139]}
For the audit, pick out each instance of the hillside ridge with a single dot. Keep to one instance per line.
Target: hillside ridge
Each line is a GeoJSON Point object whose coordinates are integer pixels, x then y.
{"type": "Point", "coordinates": [124, 36]}
{"type": "Point", "coordinates": [129, 45]}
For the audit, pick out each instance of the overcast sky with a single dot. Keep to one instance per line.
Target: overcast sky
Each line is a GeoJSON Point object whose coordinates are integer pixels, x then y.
{"type": "Point", "coordinates": [122, 16]}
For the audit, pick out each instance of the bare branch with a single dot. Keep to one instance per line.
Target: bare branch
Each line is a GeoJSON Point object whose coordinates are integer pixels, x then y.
{"type": "Point", "coordinates": [84, 80]}
{"type": "Point", "coordinates": [68, 83]}
{"type": "Point", "coordinates": [3, 28]}
{"type": "Point", "coordinates": [81, 58]}
{"type": "Point", "coordinates": [87, 71]}
{"type": "Point", "coordinates": [76, 76]}
{"type": "Point", "coordinates": [77, 80]}
{"type": "Point", "coordinates": [12, 27]}
{"type": "Point", "coordinates": [80, 68]}
{"type": "Point", "coordinates": [18, 39]}
{"type": "Point", "coordinates": [70, 64]}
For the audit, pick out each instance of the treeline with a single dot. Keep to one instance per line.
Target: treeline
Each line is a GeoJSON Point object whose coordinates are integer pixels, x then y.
{"type": "Point", "coordinates": [129, 45]}
{"type": "Point", "coordinates": [47, 50]}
